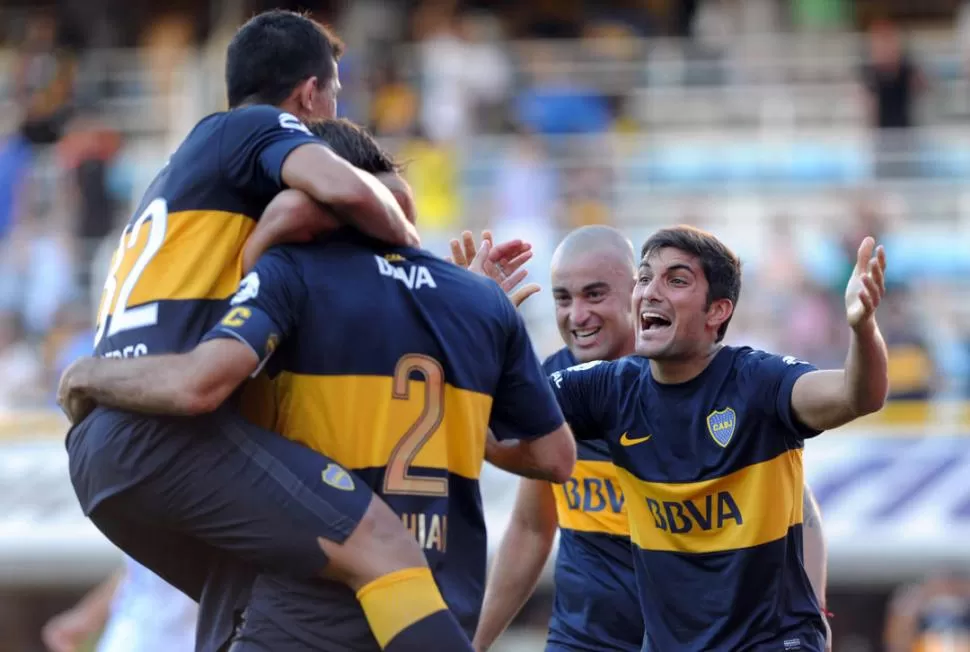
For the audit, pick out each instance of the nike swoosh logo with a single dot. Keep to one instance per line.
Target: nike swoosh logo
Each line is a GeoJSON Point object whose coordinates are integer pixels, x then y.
{"type": "Point", "coordinates": [625, 439]}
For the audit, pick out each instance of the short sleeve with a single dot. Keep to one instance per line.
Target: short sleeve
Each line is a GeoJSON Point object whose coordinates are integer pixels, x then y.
{"type": "Point", "coordinates": [524, 407]}
{"type": "Point", "coordinates": [255, 144]}
{"type": "Point", "coordinates": [585, 394]}
{"type": "Point", "coordinates": [771, 379]}
{"type": "Point", "coordinates": [267, 306]}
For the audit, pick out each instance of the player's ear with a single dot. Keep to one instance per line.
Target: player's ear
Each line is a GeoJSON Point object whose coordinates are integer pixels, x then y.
{"type": "Point", "coordinates": [719, 312]}
{"type": "Point", "coordinates": [306, 94]}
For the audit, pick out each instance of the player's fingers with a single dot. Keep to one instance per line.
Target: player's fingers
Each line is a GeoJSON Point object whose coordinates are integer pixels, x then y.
{"type": "Point", "coordinates": [514, 279]}
{"type": "Point", "coordinates": [878, 275]}
{"type": "Point", "coordinates": [872, 290]}
{"type": "Point", "coordinates": [468, 240]}
{"type": "Point", "coordinates": [523, 293]}
{"type": "Point", "coordinates": [865, 253]}
{"type": "Point", "coordinates": [487, 235]}
{"type": "Point", "coordinates": [478, 262]}
{"type": "Point", "coordinates": [457, 254]}
{"type": "Point", "coordinates": [505, 251]}
{"type": "Point", "coordinates": [866, 301]}
{"type": "Point", "coordinates": [881, 257]}
{"type": "Point", "coordinates": [518, 261]}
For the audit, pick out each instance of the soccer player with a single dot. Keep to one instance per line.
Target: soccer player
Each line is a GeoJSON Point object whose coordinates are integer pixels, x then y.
{"type": "Point", "coordinates": [407, 413]}
{"type": "Point", "coordinates": [595, 605]}
{"type": "Point", "coordinates": [178, 494]}
{"type": "Point", "coordinates": [707, 442]}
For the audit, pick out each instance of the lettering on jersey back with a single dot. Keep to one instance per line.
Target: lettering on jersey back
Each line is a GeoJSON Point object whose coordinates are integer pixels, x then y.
{"type": "Point", "coordinates": [592, 500]}
{"type": "Point", "coordinates": [414, 277]}
{"type": "Point", "coordinates": [429, 530]}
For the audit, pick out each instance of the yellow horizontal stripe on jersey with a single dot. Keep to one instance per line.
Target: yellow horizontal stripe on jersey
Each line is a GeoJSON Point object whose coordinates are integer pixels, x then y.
{"type": "Point", "coordinates": [357, 421]}
{"type": "Point", "coordinates": [752, 506]}
{"type": "Point", "coordinates": [592, 500]}
{"type": "Point", "coordinates": [200, 258]}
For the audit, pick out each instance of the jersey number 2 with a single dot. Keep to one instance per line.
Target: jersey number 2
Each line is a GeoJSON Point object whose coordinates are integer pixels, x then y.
{"type": "Point", "coordinates": [123, 319]}
{"type": "Point", "coordinates": [398, 478]}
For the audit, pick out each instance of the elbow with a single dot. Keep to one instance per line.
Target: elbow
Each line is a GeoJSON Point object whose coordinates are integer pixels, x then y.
{"type": "Point", "coordinates": [562, 462]}
{"type": "Point", "coordinates": [200, 398]}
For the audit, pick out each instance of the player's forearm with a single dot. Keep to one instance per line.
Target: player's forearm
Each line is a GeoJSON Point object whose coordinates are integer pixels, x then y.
{"type": "Point", "coordinates": [866, 370]}
{"type": "Point", "coordinates": [150, 384]}
{"type": "Point", "coordinates": [515, 572]}
{"type": "Point", "coordinates": [814, 546]}
{"type": "Point", "coordinates": [357, 198]}
{"type": "Point", "coordinates": [522, 459]}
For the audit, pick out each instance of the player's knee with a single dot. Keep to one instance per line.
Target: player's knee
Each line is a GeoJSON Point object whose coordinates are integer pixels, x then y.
{"type": "Point", "coordinates": [380, 544]}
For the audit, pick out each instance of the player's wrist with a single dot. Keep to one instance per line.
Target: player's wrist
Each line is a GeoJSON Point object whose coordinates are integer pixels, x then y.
{"type": "Point", "coordinates": [866, 328]}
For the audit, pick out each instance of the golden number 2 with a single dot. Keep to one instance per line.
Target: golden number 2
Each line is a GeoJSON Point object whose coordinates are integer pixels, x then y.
{"type": "Point", "coordinates": [398, 478]}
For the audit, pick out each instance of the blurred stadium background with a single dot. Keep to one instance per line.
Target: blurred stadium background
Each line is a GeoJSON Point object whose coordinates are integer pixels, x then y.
{"type": "Point", "coordinates": [788, 127]}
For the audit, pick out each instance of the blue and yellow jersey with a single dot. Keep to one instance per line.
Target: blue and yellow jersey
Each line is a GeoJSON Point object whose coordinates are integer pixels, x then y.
{"type": "Point", "coordinates": [395, 363]}
{"type": "Point", "coordinates": [712, 474]}
{"type": "Point", "coordinates": [595, 606]}
{"type": "Point", "coordinates": [180, 256]}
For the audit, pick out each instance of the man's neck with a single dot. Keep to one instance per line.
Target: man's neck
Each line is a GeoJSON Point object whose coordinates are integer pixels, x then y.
{"type": "Point", "coordinates": [675, 372]}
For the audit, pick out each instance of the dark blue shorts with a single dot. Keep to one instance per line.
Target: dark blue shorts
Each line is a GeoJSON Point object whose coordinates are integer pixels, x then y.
{"type": "Point", "coordinates": [204, 501]}
{"type": "Point", "coordinates": [289, 615]}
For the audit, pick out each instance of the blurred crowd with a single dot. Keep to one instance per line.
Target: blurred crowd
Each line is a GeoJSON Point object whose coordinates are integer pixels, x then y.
{"type": "Point", "coordinates": [527, 120]}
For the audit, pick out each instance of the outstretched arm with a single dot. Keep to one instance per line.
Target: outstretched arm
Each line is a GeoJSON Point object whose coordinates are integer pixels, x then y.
{"type": "Point", "coordinates": [519, 561]}
{"type": "Point", "coordinates": [823, 400]}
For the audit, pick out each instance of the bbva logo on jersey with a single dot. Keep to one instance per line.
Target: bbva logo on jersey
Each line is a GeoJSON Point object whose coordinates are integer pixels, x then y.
{"type": "Point", "coordinates": [414, 277]}
{"type": "Point", "coordinates": [248, 289]}
{"type": "Point", "coordinates": [721, 425]}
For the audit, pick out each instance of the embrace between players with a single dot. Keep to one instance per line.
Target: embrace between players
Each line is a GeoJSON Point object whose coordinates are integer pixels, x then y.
{"type": "Point", "coordinates": [260, 252]}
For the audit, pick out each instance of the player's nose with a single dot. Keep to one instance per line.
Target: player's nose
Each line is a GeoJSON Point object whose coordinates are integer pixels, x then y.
{"type": "Point", "coordinates": [579, 313]}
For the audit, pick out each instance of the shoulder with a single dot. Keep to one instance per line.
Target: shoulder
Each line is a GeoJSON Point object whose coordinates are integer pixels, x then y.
{"type": "Point", "coordinates": [751, 360]}
{"type": "Point", "coordinates": [561, 359]}
{"type": "Point", "coordinates": [263, 117]}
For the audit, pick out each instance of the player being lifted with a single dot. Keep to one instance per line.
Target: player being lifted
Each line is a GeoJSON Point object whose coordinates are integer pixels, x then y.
{"type": "Point", "coordinates": [595, 605]}
{"type": "Point", "coordinates": [408, 413]}
{"type": "Point", "coordinates": [179, 494]}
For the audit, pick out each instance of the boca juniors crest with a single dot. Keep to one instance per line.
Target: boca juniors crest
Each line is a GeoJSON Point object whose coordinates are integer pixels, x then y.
{"type": "Point", "coordinates": [721, 425]}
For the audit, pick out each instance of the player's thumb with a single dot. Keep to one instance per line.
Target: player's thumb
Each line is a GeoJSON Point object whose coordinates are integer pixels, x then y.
{"type": "Point", "coordinates": [523, 293]}
{"type": "Point", "coordinates": [478, 262]}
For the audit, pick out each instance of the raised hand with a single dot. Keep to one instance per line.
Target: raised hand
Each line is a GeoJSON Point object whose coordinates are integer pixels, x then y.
{"type": "Point", "coordinates": [502, 262]}
{"type": "Point", "coordinates": [867, 286]}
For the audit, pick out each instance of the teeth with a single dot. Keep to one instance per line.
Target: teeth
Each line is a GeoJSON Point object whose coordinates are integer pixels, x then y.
{"type": "Point", "coordinates": [652, 315]}
{"type": "Point", "coordinates": [586, 333]}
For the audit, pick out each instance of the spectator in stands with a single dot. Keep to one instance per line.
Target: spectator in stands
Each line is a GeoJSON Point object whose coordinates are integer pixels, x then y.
{"type": "Point", "coordinates": [20, 368]}
{"type": "Point", "coordinates": [433, 171]}
{"type": "Point", "coordinates": [930, 615]}
{"type": "Point", "coordinates": [85, 155]}
{"type": "Point", "coordinates": [892, 82]}
{"type": "Point", "coordinates": [394, 107]}
{"type": "Point", "coordinates": [554, 102]}
{"type": "Point", "coordinates": [911, 371]}
{"type": "Point", "coordinates": [44, 78]}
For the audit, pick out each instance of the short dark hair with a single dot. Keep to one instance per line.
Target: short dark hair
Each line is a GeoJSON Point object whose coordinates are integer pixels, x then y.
{"type": "Point", "coordinates": [354, 144]}
{"type": "Point", "coordinates": [276, 51]}
{"type": "Point", "coordinates": [722, 267]}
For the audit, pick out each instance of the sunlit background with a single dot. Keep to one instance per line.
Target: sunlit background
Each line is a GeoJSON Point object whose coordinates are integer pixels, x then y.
{"type": "Point", "coordinates": [790, 128]}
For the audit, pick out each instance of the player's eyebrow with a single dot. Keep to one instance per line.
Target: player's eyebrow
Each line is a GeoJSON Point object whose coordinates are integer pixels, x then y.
{"type": "Point", "coordinates": [598, 285]}
{"type": "Point", "coordinates": [678, 266]}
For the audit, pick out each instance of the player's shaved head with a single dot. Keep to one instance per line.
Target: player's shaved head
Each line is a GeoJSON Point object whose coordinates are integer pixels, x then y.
{"type": "Point", "coordinates": [598, 238]}
{"type": "Point", "coordinates": [593, 271]}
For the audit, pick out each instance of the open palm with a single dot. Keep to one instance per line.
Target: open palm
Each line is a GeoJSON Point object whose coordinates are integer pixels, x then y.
{"type": "Point", "coordinates": [867, 286]}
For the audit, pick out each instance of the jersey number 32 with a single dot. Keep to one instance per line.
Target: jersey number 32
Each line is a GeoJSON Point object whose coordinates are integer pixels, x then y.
{"type": "Point", "coordinates": [114, 303]}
